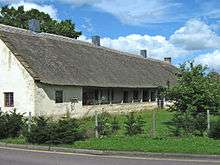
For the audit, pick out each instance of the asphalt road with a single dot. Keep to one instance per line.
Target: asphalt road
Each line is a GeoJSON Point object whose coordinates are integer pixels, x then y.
{"type": "Point", "coordinates": [27, 157]}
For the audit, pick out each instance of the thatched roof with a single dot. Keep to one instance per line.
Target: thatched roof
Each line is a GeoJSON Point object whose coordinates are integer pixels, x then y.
{"type": "Point", "coordinates": [60, 60]}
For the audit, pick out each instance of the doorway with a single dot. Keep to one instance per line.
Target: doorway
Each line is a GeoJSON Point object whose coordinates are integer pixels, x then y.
{"type": "Point", "coordinates": [125, 96]}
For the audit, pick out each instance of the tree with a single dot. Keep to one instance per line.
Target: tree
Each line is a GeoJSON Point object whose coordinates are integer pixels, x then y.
{"type": "Point", "coordinates": [194, 94]}
{"type": "Point", "coordinates": [19, 18]}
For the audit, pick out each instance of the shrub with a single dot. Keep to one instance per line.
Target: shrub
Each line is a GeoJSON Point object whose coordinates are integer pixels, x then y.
{"type": "Point", "coordinates": [66, 130]}
{"type": "Point", "coordinates": [215, 130]}
{"type": "Point", "coordinates": [46, 131]}
{"type": "Point", "coordinates": [184, 124]}
{"type": "Point", "coordinates": [115, 125]}
{"type": "Point", "coordinates": [134, 124]}
{"type": "Point", "coordinates": [11, 124]}
{"type": "Point", "coordinates": [40, 130]}
{"type": "Point", "coordinates": [104, 124]}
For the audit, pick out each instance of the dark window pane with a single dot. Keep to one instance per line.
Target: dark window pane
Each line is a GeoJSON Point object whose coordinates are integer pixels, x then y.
{"type": "Point", "coordinates": [9, 99]}
{"type": "Point", "coordinates": [59, 96]}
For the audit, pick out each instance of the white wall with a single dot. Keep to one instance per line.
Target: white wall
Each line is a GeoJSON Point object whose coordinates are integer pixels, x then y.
{"type": "Point", "coordinates": [14, 78]}
{"type": "Point", "coordinates": [45, 100]}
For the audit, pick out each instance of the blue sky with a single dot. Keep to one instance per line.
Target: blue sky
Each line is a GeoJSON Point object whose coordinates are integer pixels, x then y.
{"type": "Point", "coordinates": [182, 29]}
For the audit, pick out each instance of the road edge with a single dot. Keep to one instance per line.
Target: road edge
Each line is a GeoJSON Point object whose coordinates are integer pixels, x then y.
{"type": "Point", "coordinates": [110, 153]}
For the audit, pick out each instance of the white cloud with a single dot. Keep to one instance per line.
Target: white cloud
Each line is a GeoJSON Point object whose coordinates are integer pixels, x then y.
{"type": "Point", "coordinates": [192, 38]}
{"type": "Point", "coordinates": [195, 35]}
{"type": "Point", "coordinates": [80, 2]}
{"type": "Point", "coordinates": [135, 13]}
{"type": "Point", "coordinates": [87, 25]}
{"type": "Point", "coordinates": [49, 9]}
{"type": "Point", "coordinates": [212, 60]}
{"type": "Point", "coordinates": [157, 46]}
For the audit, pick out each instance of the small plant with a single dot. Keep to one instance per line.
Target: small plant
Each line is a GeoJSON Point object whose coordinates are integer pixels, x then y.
{"type": "Point", "coordinates": [215, 130]}
{"type": "Point", "coordinates": [104, 124]}
{"type": "Point", "coordinates": [134, 125]}
{"type": "Point", "coordinates": [115, 125]}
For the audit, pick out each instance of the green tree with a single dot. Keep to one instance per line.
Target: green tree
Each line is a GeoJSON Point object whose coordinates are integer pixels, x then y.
{"type": "Point", "coordinates": [194, 94]}
{"type": "Point", "coordinates": [19, 18]}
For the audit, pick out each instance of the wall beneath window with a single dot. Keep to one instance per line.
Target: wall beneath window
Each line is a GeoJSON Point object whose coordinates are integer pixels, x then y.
{"type": "Point", "coordinates": [45, 100]}
{"type": "Point", "coordinates": [118, 108]}
{"type": "Point", "coordinates": [14, 78]}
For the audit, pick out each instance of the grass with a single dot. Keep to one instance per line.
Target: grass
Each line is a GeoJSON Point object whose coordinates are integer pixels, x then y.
{"type": "Point", "coordinates": [162, 119]}
{"type": "Point", "coordinates": [194, 145]}
{"type": "Point", "coordinates": [163, 143]}
{"type": "Point", "coordinates": [19, 140]}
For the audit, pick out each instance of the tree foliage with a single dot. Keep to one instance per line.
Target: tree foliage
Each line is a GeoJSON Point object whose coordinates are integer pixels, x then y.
{"type": "Point", "coordinates": [19, 18]}
{"type": "Point", "coordinates": [196, 92]}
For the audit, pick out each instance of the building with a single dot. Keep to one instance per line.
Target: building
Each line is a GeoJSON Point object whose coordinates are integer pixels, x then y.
{"type": "Point", "coordinates": [46, 74]}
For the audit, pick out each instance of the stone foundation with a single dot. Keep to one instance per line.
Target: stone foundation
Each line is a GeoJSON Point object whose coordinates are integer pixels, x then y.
{"type": "Point", "coordinates": [117, 108]}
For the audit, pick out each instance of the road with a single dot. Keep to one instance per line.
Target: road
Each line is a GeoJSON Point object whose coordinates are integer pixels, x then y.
{"type": "Point", "coordinates": [28, 157]}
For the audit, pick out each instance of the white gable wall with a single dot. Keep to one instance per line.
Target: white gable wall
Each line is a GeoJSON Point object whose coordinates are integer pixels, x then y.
{"type": "Point", "coordinates": [15, 78]}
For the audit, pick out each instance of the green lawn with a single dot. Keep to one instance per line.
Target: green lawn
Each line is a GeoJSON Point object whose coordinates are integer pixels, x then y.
{"type": "Point", "coordinates": [193, 145]}
{"type": "Point", "coordinates": [163, 143]}
{"type": "Point", "coordinates": [162, 118]}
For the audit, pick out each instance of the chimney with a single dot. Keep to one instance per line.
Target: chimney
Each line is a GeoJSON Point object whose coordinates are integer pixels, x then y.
{"type": "Point", "coordinates": [96, 40]}
{"type": "Point", "coordinates": [167, 60]}
{"type": "Point", "coordinates": [34, 25]}
{"type": "Point", "coordinates": [143, 53]}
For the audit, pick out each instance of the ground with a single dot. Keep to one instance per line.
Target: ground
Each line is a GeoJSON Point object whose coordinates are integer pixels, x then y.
{"type": "Point", "coordinates": [27, 157]}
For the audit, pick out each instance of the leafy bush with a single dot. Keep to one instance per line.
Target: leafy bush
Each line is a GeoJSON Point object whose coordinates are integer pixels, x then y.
{"type": "Point", "coordinates": [215, 130]}
{"type": "Point", "coordinates": [44, 130]}
{"type": "Point", "coordinates": [134, 124]}
{"type": "Point", "coordinates": [184, 124]}
{"type": "Point", "coordinates": [115, 125]}
{"type": "Point", "coordinates": [66, 130]}
{"type": "Point", "coordinates": [39, 132]}
{"type": "Point", "coordinates": [11, 124]}
{"type": "Point", "coordinates": [104, 124]}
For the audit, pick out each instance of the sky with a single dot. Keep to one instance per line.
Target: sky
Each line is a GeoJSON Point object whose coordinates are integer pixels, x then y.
{"type": "Point", "coordinates": [186, 30]}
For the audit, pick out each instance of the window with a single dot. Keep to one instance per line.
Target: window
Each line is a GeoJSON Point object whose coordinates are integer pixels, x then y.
{"type": "Point", "coordinates": [135, 95]}
{"type": "Point", "coordinates": [59, 96]}
{"type": "Point", "coordinates": [9, 99]}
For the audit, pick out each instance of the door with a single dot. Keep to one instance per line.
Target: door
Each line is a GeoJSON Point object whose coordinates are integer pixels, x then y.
{"type": "Point", "coordinates": [145, 95]}
{"type": "Point", "coordinates": [125, 97]}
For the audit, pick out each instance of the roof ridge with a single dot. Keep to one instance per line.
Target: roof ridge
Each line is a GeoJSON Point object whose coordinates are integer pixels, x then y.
{"type": "Point", "coordinates": [13, 29]}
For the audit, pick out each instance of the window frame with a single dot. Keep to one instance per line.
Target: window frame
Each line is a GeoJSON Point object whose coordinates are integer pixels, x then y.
{"type": "Point", "coordinates": [9, 99]}
{"type": "Point", "coordinates": [59, 98]}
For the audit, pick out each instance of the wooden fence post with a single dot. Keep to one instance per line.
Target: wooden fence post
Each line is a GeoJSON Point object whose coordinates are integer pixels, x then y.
{"type": "Point", "coordinates": [96, 125]}
{"type": "Point", "coordinates": [208, 120]}
{"type": "Point", "coordinates": [154, 123]}
{"type": "Point", "coordinates": [29, 122]}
